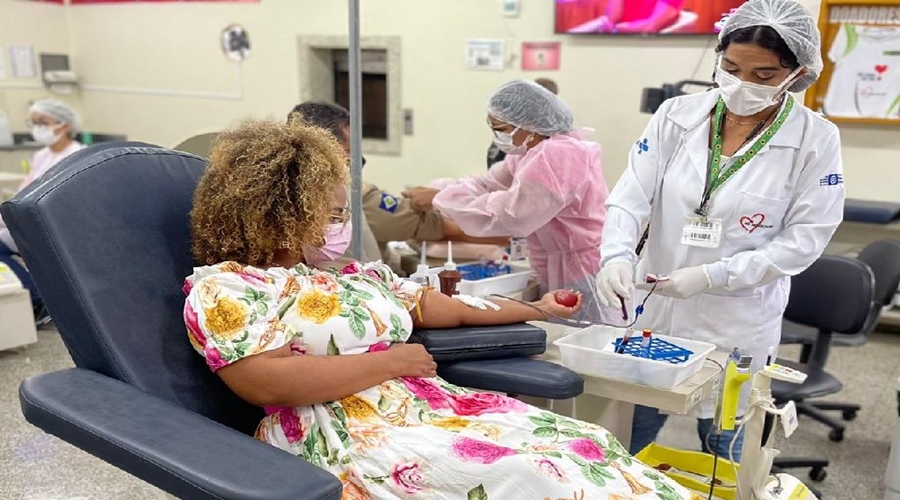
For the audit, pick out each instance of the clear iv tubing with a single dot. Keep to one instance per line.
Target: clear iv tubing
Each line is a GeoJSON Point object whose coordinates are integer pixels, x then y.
{"type": "Point", "coordinates": [637, 311]}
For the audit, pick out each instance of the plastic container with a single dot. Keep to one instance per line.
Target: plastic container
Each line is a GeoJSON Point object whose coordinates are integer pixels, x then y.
{"type": "Point", "coordinates": [516, 280]}
{"type": "Point", "coordinates": [691, 469]}
{"type": "Point", "coordinates": [591, 351]}
{"type": "Point", "coordinates": [449, 277]}
{"type": "Point", "coordinates": [6, 135]}
{"type": "Point", "coordinates": [892, 475]}
{"type": "Point", "coordinates": [17, 327]}
{"type": "Point", "coordinates": [478, 272]}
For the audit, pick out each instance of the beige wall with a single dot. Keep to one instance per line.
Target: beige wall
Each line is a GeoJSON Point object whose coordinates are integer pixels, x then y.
{"type": "Point", "coordinates": [174, 47]}
{"type": "Point", "coordinates": [43, 26]}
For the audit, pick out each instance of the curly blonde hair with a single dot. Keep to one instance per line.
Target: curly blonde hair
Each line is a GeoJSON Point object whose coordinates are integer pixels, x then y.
{"type": "Point", "coordinates": [268, 186]}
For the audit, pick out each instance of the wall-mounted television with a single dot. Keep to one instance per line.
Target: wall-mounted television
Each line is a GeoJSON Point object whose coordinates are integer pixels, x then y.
{"type": "Point", "coordinates": [641, 17]}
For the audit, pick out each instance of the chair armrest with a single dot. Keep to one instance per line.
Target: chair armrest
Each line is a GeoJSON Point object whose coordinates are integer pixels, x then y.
{"type": "Point", "coordinates": [447, 345]}
{"type": "Point", "coordinates": [520, 376]}
{"type": "Point", "coordinates": [181, 452]}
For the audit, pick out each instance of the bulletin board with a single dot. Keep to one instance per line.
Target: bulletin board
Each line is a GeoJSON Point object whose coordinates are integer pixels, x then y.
{"type": "Point", "coordinates": [864, 88]}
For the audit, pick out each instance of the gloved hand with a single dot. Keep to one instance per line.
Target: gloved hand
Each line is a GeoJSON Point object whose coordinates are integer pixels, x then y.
{"type": "Point", "coordinates": [683, 283]}
{"type": "Point", "coordinates": [615, 279]}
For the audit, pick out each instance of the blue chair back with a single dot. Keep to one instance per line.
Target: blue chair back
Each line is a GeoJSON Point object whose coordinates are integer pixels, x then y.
{"type": "Point", "coordinates": [106, 236]}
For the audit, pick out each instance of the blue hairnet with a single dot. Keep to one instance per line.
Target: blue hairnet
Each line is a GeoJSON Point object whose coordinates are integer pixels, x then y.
{"type": "Point", "coordinates": [793, 23]}
{"type": "Point", "coordinates": [529, 106]}
{"type": "Point", "coordinates": [59, 111]}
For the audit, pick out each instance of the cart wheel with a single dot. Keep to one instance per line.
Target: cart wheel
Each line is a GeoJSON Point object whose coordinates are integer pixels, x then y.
{"type": "Point", "coordinates": [836, 435]}
{"type": "Point", "coordinates": [818, 474]}
{"type": "Point", "coordinates": [849, 415]}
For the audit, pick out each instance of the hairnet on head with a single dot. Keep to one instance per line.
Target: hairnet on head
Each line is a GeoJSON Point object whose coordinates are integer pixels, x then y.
{"type": "Point", "coordinates": [60, 111]}
{"type": "Point", "coordinates": [531, 107]}
{"type": "Point", "coordinates": [793, 23]}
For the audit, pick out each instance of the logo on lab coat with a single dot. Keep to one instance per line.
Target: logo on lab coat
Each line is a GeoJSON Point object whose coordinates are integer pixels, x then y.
{"type": "Point", "coordinates": [643, 146]}
{"type": "Point", "coordinates": [388, 203]}
{"type": "Point", "coordinates": [831, 180]}
{"type": "Point", "coordinates": [753, 222]}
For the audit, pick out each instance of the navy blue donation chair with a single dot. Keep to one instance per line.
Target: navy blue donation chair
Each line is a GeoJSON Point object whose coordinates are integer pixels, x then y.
{"type": "Point", "coordinates": [106, 236]}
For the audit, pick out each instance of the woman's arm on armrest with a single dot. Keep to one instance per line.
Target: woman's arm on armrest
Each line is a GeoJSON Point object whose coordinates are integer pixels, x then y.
{"type": "Point", "coordinates": [441, 311]}
{"type": "Point", "coordinates": [278, 378]}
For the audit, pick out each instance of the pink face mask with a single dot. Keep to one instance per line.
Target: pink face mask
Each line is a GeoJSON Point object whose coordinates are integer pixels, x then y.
{"type": "Point", "coordinates": [337, 240]}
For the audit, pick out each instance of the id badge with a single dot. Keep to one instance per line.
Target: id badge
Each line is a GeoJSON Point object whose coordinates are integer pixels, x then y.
{"type": "Point", "coordinates": [702, 233]}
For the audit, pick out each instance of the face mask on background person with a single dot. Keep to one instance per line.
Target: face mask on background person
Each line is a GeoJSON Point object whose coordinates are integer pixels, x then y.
{"type": "Point", "coordinates": [337, 240]}
{"type": "Point", "coordinates": [748, 98]}
{"type": "Point", "coordinates": [46, 134]}
{"type": "Point", "coordinates": [504, 141]}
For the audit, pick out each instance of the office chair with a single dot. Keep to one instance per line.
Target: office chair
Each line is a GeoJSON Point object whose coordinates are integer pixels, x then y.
{"type": "Point", "coordinates": [834, 296]}
{"type": "Point", "coordinates": [883, 258]}
{"type": "Point", "coordinates": [106, 234]}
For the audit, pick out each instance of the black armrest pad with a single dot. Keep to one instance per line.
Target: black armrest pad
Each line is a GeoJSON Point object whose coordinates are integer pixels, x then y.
{"type": "Point", "coordinates": [483, 342]}
{"type": "Point", "coordinates": [168, 446]}
{"type": "Point", "coordinates": [520, 376]}
{"type": "Point", "coordinates": [873, 212]}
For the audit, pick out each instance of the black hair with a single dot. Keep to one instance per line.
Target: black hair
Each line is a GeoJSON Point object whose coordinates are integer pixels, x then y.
{"type": "Point", "coordinates": [332, 117]}
{"type": "Point", "coordinates": [765, 37]}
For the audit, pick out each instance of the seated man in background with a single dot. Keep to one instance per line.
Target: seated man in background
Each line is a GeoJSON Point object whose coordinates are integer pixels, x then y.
{"type": "Point", "coordinates": [494, 155]}
{"type": "Point", "coordinates": [54, 124]}
{"type": "Point", "coordinates": [387, 217]}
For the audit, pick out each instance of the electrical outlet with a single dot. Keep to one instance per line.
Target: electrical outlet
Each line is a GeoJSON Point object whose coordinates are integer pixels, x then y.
{"type": "Point", "coordinates": [511, 8]}
{"type": "Point", "coordinates": [408, 121]}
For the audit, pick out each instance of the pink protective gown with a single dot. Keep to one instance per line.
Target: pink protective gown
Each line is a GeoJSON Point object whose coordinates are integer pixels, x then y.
{"type": "Point", "coordinates": [555, 196]}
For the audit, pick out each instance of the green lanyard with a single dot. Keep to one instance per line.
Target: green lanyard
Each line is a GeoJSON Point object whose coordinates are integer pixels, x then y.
{"type": "Point", "coordinates": [717, 176]}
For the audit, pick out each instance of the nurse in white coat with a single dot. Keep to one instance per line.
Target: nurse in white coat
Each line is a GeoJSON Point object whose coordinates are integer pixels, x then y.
{"type": "Point", "coordinates": [742, 188]}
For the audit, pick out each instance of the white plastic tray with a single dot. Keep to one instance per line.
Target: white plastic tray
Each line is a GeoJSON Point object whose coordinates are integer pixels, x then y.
{"type": "Point", "coordinates": [590, 352]}
{"type": "Point", "coordinates": [516, 280]}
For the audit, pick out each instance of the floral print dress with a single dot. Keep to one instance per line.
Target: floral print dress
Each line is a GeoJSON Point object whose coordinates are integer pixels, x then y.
{"type": "Point", "coordinates": [410, 437]}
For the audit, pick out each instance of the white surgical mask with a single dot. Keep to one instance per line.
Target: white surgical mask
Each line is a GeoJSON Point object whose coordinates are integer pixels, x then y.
{"type": "Point", "coordinates": [45, 134]}
{"type": "Point", "coordinates": [504, 142]}
{"type": "Point", "coordinates": [748, 98]}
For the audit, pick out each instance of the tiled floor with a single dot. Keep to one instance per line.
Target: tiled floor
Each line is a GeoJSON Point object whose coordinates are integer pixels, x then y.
{"type": "Point", "coordinates": [36, 466]}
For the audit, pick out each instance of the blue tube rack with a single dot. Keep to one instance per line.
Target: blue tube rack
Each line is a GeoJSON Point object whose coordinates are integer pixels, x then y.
{"type": "Point", "coordinates": [475, 272]}
{"type": "Point", "coordinates": [658, 350]}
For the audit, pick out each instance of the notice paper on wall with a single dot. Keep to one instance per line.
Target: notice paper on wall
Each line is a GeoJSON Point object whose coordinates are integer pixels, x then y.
{"type": "Point", "coordinates": [540, 56]}
{"type": "Point", "coordinates": [485, 55]}
{"type": "Point", "coordinates": [24, 64]}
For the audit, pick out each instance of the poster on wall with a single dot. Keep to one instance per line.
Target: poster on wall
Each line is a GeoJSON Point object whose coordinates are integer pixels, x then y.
{"type": "Point", "coordinates": [540, 56]}
{"type": "Point", "coordinates": [23, 63]}
{"type": "Point", "coordinates": [865, 82]}
{"type": "Point", "coordinates": [485, 55]}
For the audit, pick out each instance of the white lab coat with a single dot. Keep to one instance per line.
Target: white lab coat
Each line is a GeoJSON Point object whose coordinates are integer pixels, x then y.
{"type": "Point", "coordinates": [778, 213]}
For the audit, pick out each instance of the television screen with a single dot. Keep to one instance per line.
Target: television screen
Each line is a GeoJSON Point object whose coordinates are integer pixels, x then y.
{"type": "Point", "coordinates": [642, 17]}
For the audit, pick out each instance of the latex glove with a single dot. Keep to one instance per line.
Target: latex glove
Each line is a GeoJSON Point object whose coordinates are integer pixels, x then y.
{"type": "Point", "coordinates": [683, 283]}
{"type": "Point", "coordinates": [615, 280]}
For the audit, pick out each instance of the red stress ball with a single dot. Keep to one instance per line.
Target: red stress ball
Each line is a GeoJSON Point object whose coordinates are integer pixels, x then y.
{"type": "Point", "coordinates": [565, 298]}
